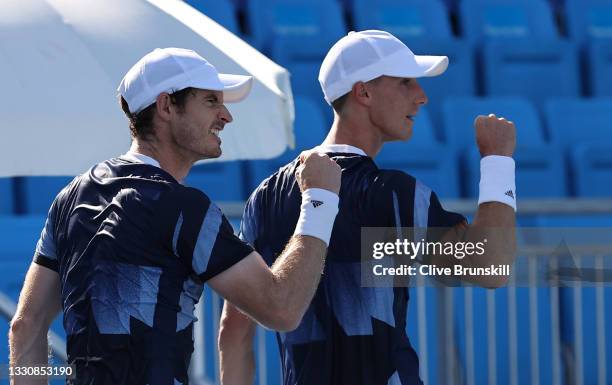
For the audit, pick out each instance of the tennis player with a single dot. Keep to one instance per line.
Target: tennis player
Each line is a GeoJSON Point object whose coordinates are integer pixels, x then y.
{"type": "Point", "coordinates": [126, 247]}
{"type": "Point", "coordinates": [354, 335]}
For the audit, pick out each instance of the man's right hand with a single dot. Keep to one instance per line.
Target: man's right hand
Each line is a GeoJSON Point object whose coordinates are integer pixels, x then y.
{"type": "Point", "coordinates": [495, 136]}
{"type": "Point", "coordinates": [317, 170]}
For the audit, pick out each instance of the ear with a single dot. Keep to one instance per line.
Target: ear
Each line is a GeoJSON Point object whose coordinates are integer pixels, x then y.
{"type": "Point", "coordinates": [361, 93]}
{"type": "Point", "coordinates": [163, 106]}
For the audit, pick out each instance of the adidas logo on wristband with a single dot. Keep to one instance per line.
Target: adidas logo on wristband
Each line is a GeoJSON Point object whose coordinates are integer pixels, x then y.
{"type": "Point", "coordinates": [316, 203]}
{"type": "Point", "coordinates": [509, 193]}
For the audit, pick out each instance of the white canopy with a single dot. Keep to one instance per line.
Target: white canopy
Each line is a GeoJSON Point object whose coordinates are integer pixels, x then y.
{"type": "Point", "coordinates": [61, 62]}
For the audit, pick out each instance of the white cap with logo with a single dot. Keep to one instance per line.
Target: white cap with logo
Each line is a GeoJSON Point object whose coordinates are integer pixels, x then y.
{"type": "Point", "coordinates": [366, 55]}
{"type": "Point", "coordinates": [173, 69]}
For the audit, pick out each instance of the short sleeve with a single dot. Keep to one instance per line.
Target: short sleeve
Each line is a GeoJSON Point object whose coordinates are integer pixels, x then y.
{"type": "Point", "coordinates": [417, 208]}
{"type": "Point", "coordinates": [255, 222]}
{"type": "Point", "coordinates": [46, 251]}
{"type": "Point", "coordinates": [205, 238]}
{"type": "Point", "coordinates": [249, 227]}
{"type": "Point", "coordinates": [439, 217]}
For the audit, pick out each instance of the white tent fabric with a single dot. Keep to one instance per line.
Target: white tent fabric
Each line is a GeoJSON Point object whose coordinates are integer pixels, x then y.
{"type": "Point", "coordinates": [61, 62]}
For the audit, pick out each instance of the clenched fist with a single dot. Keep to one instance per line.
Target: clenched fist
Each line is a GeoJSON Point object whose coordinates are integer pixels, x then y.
{"type": "Point", "coordinates": [317, 170]}
{"type": "Point", "coordinates": [495, 136]}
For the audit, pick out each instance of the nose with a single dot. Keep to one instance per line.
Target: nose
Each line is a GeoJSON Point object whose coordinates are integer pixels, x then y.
{"type": "Point", "coordinates": [421, 95]}
{"type": "Point", "coordinates": [225, 115]}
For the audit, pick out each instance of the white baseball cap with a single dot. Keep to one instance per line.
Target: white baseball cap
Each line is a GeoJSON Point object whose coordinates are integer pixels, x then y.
{"type": "Point", "coordinates": [366, 55]}
{"type": "Point", "coordinates": [173, 69]}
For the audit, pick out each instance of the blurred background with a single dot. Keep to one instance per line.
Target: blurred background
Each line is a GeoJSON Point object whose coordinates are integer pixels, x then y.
{"type": "Point", "coordinates": [544, 64]}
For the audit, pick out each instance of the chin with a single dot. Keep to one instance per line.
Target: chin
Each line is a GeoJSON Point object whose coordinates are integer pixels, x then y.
{"type": "Point", "coordinates": [214, 155]}
{"type": "Point", "coordinates": [405, 136]}
{"type": "Point", "coordinates": [211, 154]}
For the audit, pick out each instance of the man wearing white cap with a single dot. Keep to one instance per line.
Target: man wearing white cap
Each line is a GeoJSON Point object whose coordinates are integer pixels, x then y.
{"type": "Point", "coordinates": [126, 247]}
{"type": "Point", "coordinates": [351, 334]}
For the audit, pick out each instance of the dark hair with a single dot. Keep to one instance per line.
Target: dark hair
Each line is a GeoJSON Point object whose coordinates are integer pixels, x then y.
{"type": "Point", "coordinates": [141, 123]}
{"type": "Point", "coordinates": [339, 103]}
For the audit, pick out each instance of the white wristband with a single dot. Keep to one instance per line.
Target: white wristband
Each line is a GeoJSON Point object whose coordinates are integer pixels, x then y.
{"type": "Point", "coordinates": [318, 212]}
{"type": "Point", "coordinates": [497, 180]}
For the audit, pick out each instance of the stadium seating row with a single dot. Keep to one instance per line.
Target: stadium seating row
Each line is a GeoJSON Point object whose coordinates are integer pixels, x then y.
{"type": "Point", "coordinates": [478, 19]}
{"type": "Point", "coordinates": [570, 155]}
{"type": "Point", "coordinates": [491, 57]}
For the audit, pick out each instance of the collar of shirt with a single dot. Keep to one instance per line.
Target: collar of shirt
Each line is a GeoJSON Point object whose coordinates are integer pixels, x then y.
{"type": "Point", "coordinates": [340, 148]}
{"type": "Point", "coordinates": [133, 156]}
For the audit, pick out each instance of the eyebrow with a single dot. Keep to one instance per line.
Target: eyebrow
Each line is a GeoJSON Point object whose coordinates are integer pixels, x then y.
{"type": "Point", "coordinates": [211, 96]}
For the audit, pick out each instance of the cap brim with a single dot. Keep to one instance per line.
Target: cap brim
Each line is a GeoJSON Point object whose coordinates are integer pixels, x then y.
{"type": "Point", "coordinates": [431, 65]}
{"type": "Point", "coordinates": [235, 87]}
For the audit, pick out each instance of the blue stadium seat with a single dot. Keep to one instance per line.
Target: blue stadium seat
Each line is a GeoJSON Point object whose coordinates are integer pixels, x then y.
{"type": "Point", "coordinates": [19, 236]}
{"type": "Point", "coordinates": [303, 58]}
{"type": "Point", "coordinates": [39, 192]}
{"type": "Point", "coordinates": [535, 159]}
{"type": "Point", "coordinates": [458, 80]}
{"type": "Point", "coordinates": [221, 11]}
{"type": "Point", "coordinates": [303, 63]}
{"type": "Point", "coordinates": [460, 113]}
{"type": "Point", "coordinates": [592, 164]}
{"type": "Point", "coordinates": [309, 22]}
{"type": "Point", "coordinates": [538, 70]}
{"type": "Point", "coordinates": [599, 68]}
{"type": "Point", "coordinates": [309, 129]}
{"type": "Point", "coordinates": [423, 157]}
{"type": "Point", "coordinates": [423, 133]}
{"type": "Point", "coordinates": [493, 19]}
{"type": "Point", "coordinates": [588, 19]}
{"type": "Point", "coordinates": [297, 34]}
{"type": "Point", "coordinates": [6, 196]}
{"type": "Point", "coordinates": [221, 181]}
{"type": "Point", "coordinates": [574, 121]}
{"type": "Point", "coordinates": [407, 20]}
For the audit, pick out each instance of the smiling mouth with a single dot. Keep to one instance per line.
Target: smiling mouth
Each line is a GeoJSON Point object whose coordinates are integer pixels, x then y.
{"type": "Point", "coordinates": [215, 131]}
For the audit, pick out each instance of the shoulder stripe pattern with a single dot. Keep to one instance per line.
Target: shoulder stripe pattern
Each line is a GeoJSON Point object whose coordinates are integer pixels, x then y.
{"type": "Point", "coordinates": [422, 197]}
{"type": "Point", "coordinates": [206, 239]}
{"type": "Point", "coordinates": [398, 222]}
{"type": "Point", "coordinates": [177, 231]}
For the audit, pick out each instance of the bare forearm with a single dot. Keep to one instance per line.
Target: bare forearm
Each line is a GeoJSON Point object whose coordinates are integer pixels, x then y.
{"type": "Point", "coordinates": [495, 222]}
{"type": "Point", "coordinates": [494, 227]}
{"type": "Point", "coordinates": [275, 297]}
{"type": "Point", "coordinates": [236, 358]}
{"type": "Point", "coordinates": [28, 347]}
{"type": "Point", "coordinates": [237, 364]}
{"type": "Point", "coordinates": [297, 273]}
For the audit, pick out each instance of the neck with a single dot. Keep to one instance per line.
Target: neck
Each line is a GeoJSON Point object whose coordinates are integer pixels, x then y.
{"type": "Point", "coordinates": [169, 161]}
{"type": "Point", "coordinates": [356, 132]}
